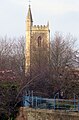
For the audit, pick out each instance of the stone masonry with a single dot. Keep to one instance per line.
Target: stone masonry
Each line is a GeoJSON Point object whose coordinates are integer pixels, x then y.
{"type": "Point", "coordinates": [43, 114]}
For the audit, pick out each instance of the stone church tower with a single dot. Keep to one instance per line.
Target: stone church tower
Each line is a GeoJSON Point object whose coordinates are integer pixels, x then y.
{"type": "Point", "coordinates": [37, 46]}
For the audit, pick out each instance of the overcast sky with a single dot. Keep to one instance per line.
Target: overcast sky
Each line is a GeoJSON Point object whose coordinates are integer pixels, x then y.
{"type": "Point", "coordinates": [63, 16]}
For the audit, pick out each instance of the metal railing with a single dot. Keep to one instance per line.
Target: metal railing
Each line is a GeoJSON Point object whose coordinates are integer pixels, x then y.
{"type": "Point", "coordinates": [29, 100]}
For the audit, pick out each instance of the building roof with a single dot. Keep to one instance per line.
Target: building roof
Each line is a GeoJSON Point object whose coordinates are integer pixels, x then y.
{"type": "Point", "coordinates": [29, 15]}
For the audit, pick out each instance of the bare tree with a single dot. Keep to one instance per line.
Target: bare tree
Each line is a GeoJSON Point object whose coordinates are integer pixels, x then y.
{"type": "Point", "coordinates": [12, 72]}
{"type": "Point", "coordinates": [62, 61]}
{"type": "Point", "coordinates": [5, 52]}
{"type": "Point", "coordinates": [47, 75]}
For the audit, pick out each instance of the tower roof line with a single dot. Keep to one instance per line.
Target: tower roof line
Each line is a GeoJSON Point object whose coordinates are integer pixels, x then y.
{"type": "Point", "coordinates": [29, 15]}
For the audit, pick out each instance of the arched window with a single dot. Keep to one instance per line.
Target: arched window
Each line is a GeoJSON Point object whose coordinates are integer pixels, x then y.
{"type": "Point", "coordinates": [39, 41]}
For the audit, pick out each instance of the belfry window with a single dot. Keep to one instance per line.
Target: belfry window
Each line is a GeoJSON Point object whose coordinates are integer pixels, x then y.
{"type": "Point", "coordinates": [39, 41]}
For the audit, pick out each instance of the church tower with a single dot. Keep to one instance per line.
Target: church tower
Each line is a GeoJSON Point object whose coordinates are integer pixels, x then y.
{"type": "Point", "coordinates": [29, 23]}
{"type": "Point", "coordinates": [37, 46]}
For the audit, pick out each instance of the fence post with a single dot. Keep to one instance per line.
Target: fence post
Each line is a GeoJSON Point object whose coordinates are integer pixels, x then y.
{"type": "Point", "coordinates": [36, 102]}
{"type": "Point", "coordinates": [58, 100]}
{"type": "Point", "coordinates": [29, 94]}
{"type": "Point", "coordinates": [32, 98]}
{"type": "Point", "coordinates": [55, 101]}
{"type": "Point", "coordinates": [74, 102]}
{"type": "Point", "coordinates": [23, 103]}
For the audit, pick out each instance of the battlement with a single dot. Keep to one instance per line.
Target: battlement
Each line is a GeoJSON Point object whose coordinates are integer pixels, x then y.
{"type": "Point", "coordinates": [40, 27]}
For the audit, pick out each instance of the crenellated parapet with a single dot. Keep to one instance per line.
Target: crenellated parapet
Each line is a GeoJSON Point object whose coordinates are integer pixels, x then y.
{"type": "Point", "coordinates": [40, 27]}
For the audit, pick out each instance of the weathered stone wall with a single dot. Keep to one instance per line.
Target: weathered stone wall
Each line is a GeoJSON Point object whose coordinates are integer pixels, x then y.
{"type": "Point", "coordinates": [37, 114]}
